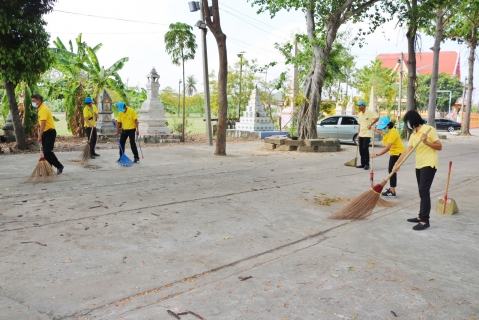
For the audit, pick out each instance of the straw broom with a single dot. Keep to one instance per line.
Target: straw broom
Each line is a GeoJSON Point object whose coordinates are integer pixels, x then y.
{"type": "Point", "coordinates": [86, 155]}
{"type": "Point", "coordinates": [43, 171]}
{"type": "Point", "coordinates": [362, 206]}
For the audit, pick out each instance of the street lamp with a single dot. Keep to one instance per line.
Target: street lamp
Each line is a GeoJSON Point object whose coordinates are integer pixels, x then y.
{"type": "Point", "coordinates": [179, 95]}
{"type": "Point", "coordinates": [201, 24]}
{"type": "Point", "coordinates": [240, 55]}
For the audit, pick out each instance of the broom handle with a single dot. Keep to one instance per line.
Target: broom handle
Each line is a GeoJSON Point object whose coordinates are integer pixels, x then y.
{"type": "Point", "coordinates": [407, 156]}
{"type": "Point", "coordinates": [447, 188]}
{"type": "Point", "coordinates": [41, 149]}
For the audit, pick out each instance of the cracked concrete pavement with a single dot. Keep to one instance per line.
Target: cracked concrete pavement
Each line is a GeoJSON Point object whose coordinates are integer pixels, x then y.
{"type": "Point", "coordinates": [177, 232]}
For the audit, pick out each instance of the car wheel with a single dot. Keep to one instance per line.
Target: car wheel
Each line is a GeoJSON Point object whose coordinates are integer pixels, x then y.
{"type": "Point", "coordinates": [451, 129]}
{"type": "Point", "coordinates": [355, 141]}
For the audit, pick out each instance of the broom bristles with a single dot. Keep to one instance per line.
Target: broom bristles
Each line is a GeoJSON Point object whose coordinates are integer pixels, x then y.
{"type": "Point", "coordinates": [86, 154]}
{"type": "Point", "coordinates": [43, 172]}
{"type": "Point", "coordinates": [363, 205]}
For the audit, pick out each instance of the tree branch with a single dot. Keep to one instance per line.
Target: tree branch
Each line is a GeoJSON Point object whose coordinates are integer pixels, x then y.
{"type": "Point", "coordinates": [358, 10]}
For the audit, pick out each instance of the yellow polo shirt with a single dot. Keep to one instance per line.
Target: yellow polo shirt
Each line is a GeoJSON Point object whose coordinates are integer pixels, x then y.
{"type": "Point", "coordinates": [127, 119]}
{"type": "Point", "coordinates": [425, 156]}
{"type": "Point", "coordinates": [44, 114]}
{"type": "Point", "coordinates": [392, 137]}
{"type": "Point", "coordinates": [90, 113]}
{"type": "Point", "coordinates": [364, 120]}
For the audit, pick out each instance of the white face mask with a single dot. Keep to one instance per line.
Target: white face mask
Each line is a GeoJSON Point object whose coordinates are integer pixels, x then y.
{"type": "Point", "coordinates": [409, 126]}
{"type": "Point", "coordinates": [34, 105]}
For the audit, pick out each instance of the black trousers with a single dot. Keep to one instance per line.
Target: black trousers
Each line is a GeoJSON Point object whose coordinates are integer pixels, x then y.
{"type": "Point", "coordinates": [424, 177]}
{"type": "Point", "coordinates": [125, 134]}
{"type": "Point", "coordinates": [93, 138]}
{"type": "Point", "coordinates": [364, 150]}
{"type": "Point", "coordinates": [48, 143]}
{"type": "Point", "coordinates": [394, 179]}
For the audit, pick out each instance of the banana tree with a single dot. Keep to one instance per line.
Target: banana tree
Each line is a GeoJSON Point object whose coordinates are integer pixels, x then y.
{"type": "Point", "coordinates": [71, 82]}
{"type": "Point", "coordinates": [101, 78]}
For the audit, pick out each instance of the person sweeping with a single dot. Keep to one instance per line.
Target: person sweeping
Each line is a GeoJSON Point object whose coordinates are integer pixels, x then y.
{"type": "Point", "coordinates": [47, 133]}
{"type": "Point", "coordinates": [90, 114]}
{"type": "Point", "coordinates": [426, 163]}
{"type": "Point", "coordinates": [129, 123]}
{"type": "Point", "coordinates": [394, 145]}
{"type": "Point", "coordinates": [366, 118]}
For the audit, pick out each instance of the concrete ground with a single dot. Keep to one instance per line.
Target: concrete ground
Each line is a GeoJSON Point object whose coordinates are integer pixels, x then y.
{"type": "Point", "coordinates": [180, 230]}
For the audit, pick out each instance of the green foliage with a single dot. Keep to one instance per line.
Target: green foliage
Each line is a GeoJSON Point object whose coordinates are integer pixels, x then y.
{"type": "Point", "coordinates": [328, 108]}
{"type": "Point", "coordinates": [175, 125]}
{"type": "Point", "coordinates": [24, 53]}
{"type": "Point", "coordinates": [78, 74]}
{"type": "Point", "coordinates": [180, 43]}
{"type": "Point", "coordinates": [4, 107]}
{"type": "Point", "coordinates": [242, 73]}
{"type": "Point", "coordinates": [136, 97]}
{"type": "Point", "coordinates": [383, 80]}
{"type": "Point", "coordinates": [445, 82]}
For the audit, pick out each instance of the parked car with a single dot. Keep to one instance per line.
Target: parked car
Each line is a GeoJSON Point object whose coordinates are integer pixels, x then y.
{"type": "Point", "coordinates": [344, 128]}
{"type": "Point", "coordinates": [447, 124]}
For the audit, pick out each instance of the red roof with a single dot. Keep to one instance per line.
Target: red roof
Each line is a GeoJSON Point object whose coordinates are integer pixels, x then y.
{"type": "Point", "coordinates": [449, 62]}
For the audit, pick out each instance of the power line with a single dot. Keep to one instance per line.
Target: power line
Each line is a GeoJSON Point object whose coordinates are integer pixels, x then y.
{"type": "Point", "coordinates": [118, 19]}
{"type": "Point", "coordinates": [254, 25]}
{"type": "Point", "coordinates": [249, 16]}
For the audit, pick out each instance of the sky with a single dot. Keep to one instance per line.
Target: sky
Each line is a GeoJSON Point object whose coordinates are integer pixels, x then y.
{"type": "Point", "coordinates": [135, 29]}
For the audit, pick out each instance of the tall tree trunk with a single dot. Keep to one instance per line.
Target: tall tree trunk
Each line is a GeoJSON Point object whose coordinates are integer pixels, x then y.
{"type": "Point", "coordinates": [215, 26]}
{"type": "Point", "coordinates": [19, 131]}
{"type": "Point", "coordinates": [411, 36]}
{"type": "Point", "coordinates": [467, 119]}
{"type": "Point", "coordinates": [435, 67]}
{"type": "Point", "coordinates": [313, 85]}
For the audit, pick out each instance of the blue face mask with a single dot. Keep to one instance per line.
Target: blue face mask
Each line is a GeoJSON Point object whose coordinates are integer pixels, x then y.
{"type": "Point", "coordinates": [385, 130]}
{"type": "Point", "coordinates": [34, 105]}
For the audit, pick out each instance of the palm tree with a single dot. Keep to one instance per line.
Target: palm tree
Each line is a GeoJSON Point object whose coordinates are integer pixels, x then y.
{"type": "Point", "coordinates": [180, 44]}
{"type": "Point", "coordinates": [190, 86]}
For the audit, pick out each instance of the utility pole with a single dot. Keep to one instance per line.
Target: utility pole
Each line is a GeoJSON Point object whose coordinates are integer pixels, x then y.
{"type": "Point", "coordinates": [206, 81]}
{"type": "Point", "coordinates": [240, 55]}
{"type": "Point", "coordinates": [400, 61]}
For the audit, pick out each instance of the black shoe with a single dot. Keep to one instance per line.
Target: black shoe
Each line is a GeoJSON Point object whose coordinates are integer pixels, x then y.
{"type": "Point", "coordinates": [92, 157]}
{"type": "Point", "coordinates": [361, 166]}
{"type": "Point", "coordinates": [136, 160]}
{"type": "Point", "coordinates": [421, 226]}
{"type": "Point", "coordinates": [415, 220]}
{"type": "Point", "coordinates": [366, 167]}
{"type": "Point", "coordinates": [95, 154]}
{"type": "Point", "coordinates": [388, 193]}
{"type": "Point", "coordinates": [118, 159]}
{"type": "Point", "coordinates": [60, 170]}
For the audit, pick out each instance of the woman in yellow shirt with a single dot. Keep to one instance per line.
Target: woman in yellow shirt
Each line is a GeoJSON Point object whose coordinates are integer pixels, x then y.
{"type": "Point", "coordinates": [394, 145]}
{"type": "Point", "coordinates": [426, 163]}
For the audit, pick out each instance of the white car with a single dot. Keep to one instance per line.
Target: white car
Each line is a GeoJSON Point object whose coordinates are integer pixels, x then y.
{"type": "Point", "coordinates": [344, 128]}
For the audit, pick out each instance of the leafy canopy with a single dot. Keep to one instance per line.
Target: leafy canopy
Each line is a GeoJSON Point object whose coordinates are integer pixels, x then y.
{"type": "Point", "coordinates": [24, 53]}
{"type": "Point", "coordinates": [180, 43]}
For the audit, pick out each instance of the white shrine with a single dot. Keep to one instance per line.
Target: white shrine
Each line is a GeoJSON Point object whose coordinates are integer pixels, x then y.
{"type": "Point", "coordinates": [151, 118]}
{"type": "Point", "coordinates": [254, 117]}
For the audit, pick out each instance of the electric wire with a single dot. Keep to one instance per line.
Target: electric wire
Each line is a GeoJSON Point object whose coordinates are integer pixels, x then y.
{"type": "Point", "coordinates": [111, 18]}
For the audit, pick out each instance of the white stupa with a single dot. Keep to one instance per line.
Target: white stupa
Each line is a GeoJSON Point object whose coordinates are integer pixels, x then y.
{"type": "Point", "coordinates": [254, 117]}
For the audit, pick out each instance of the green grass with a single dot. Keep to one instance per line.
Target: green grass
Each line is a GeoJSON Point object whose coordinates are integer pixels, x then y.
{"type": "Point", "coordinates": [197, 123]}
{"type": "Point", "coordinates": [61, 126]}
